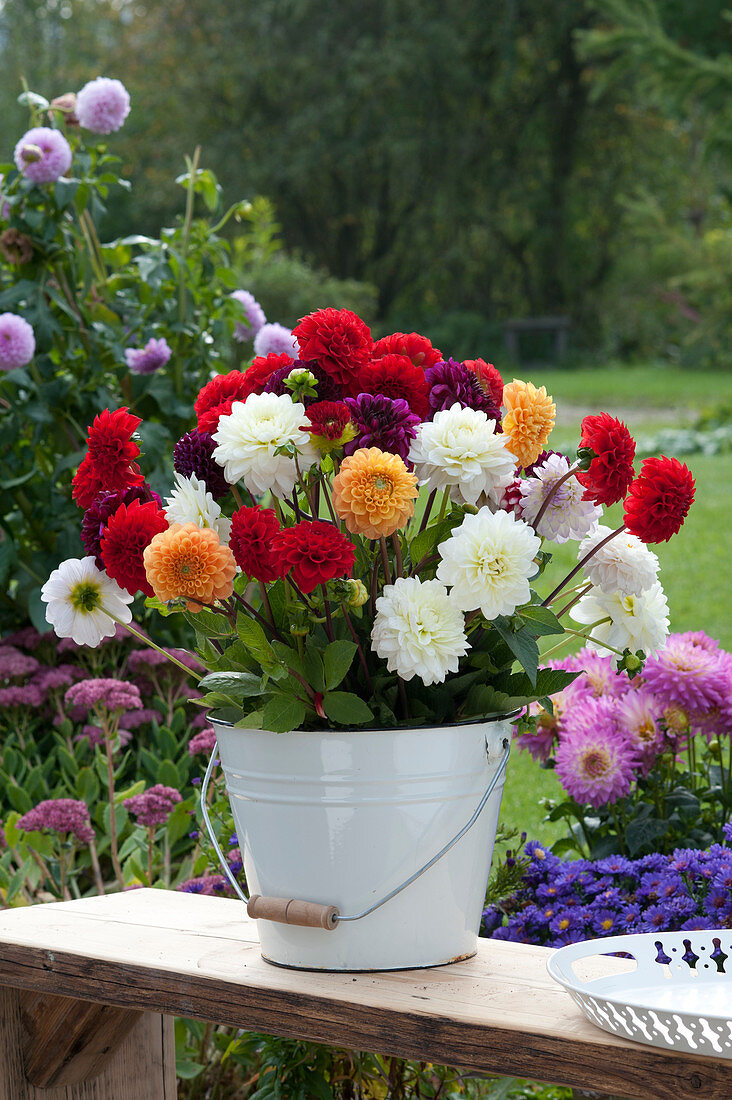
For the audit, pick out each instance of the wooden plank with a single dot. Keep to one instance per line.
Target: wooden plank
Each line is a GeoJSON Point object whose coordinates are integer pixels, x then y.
{"type": "Point", "coordinates": [66, 1041]}
{"type": "Point", "coordinates": [143, 1067]}
{"type": "Point", "coordinates": [184, 954]}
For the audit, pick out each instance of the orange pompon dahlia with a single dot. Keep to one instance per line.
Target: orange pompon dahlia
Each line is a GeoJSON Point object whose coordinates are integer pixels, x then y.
{"type": "Point", "coordinates": [529, 419]}
{"type": "Point", "coordinates": [189, 562]}
{"type": "Point", "coordinates": [374, 493]}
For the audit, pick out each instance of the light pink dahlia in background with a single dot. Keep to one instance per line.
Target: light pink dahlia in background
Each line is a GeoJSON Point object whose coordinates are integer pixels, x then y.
{"type": "Point", "coordinates": [687, 675]}
{"type": "Point", "coordinates": [274, 339]}
{"type": "Point", "coordinates": [596, 765]}
{"type": "Point", "coordinates": [152, 357]}
{"type": "Point", "coordinates": [43, 155]}
{"type": "Point", "coordinates": [17, 342]}
{"type": "Point", "coordinates": [254, 318]}
{"type": "Point", "coordinates": [102, 105]}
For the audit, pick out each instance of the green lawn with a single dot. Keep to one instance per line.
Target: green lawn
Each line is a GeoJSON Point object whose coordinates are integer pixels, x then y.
{"type": "Point", "coordinates": [693, 564]}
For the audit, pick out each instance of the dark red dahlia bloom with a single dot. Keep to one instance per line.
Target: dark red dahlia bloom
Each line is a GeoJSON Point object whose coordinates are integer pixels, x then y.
{"type": "Point", "coordinates": [131, 528]}
{"type": "Point", "coordinates": [611, 471]}
{"type": "Point", "coordinates": [110, 443]}
{"type": "Point", "coordinates": [659, 499]}
{"type": "Point", "coordinates": [451, 382]}
{"type": "Point", "coordinates": [489, 378]}
{"type": "Point", "coordinates": [252, 532]}
{"type": "Point", "coordinates": [396, 376]}
{"type": "Point", "coordinates": [87, 482]}
{"type": "Point", "coordinates": [315, 551]}
{"type": "Point", "coordinates": [328, 419]}
{"type": "Point", "coordinates": [328, 389]}
{"type": "Point", "coordinates": [339, 342]}
{"type": "Point", "coordinates": [416, 348]}
{"type": "Point", "coordinates": [382, 422]}
{"type": "Point", "coordinates": [102, 507]}
{"type": "Point", "coordinates": [193, 454]}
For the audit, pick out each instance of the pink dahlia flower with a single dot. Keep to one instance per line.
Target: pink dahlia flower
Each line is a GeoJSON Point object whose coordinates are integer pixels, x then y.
{"type": "Point", "coordinates": [688, 675]}
{"type": "Point", "coordinates": [596, 766]}
{"type": "Point", "coordinates": [43, 155]}
{"type": "Point", "coordinates": [102, 105]}
{"type": "Point", "coordinates": [17, 342]}
{"type": "Point", "coordinates": [254, 318]}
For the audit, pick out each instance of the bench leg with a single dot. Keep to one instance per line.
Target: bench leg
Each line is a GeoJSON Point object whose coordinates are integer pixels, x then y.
{"type": "Point", "coordinates": [56, 1048]}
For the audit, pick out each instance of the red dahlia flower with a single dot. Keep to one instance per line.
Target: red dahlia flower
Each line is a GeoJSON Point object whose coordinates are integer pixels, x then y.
{"type": "Point", "coordinates": [315, 551]}
{"type": "Point", "coordinates": [611, 471]}
{"type": "Point", "coordinates": [396, 376]}
{"type": "Point", "coordinates": [108, 465]}
{"type": "Point", "coordinates": [416, 348]}
{"type": "Point", "coordinates": [252, 532]}
{"type": "Point", "coordinates": [338, 341]}
{"type": "Point", "coordinates": [125, 537]}
{"type": "Point", "coordinates": [659, 499]}
{"type": "Point", "coordinates": [87, 484]}
{"type": "Point", "coordinates": [489, 377]}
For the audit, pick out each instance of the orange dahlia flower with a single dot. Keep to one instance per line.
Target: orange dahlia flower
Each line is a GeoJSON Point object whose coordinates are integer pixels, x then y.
{"type": "Point", "coordinates": [374, 493]}
{"type": "Point", "coordinates": [189, 562]}
{"type": "Point", "coordinates": [528, 421]}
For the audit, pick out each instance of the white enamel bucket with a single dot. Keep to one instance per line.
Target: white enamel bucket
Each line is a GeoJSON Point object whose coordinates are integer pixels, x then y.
{"type": "Point", "coordinates": [344, 818]}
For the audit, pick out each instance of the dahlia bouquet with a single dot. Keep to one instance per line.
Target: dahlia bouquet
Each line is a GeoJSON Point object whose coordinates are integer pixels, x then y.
{"type": "Point", "coordinates": [358, 520]}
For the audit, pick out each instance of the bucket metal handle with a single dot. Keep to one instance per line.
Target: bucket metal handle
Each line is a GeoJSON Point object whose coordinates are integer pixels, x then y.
{"type": "Point", "coordinates": [312, 914]}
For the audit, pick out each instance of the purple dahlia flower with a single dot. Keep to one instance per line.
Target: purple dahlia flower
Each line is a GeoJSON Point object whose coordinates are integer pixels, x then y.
{"type": "Point", "coordinates": [193, 454]}
{"type": "Point", "coordinates": [103, 506]}
{"type": "Point", "coordinates": [152, 357]}
{"type": "Point", "coordinates": [450, 382]}
{"type": "Point", "coordinates": [102, 105]}
{"type": "Point", "coordinates": [17, 342]}
{"type": "Point", "coordinates": [384, 422]}
{"type": "Point", "coordinates": [254, 318]}
{"type": "Point", "coordinates": [43, 155]}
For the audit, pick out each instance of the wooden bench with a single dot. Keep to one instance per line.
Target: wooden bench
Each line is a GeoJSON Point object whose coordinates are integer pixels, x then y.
{"type": "Point", "coordinates": [88, 989]}
{"type": "Point", "coordinates": [557, 326]}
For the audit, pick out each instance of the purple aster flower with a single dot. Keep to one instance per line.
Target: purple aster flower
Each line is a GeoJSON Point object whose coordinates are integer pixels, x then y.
{"type": "Point", "coordinates": [492, 919]}
{"type": "Point", "coordinates": [203, 741]}
{"type": "Point", "coordinates": [253, 313]}
{"type": "Point", "coordinates": [450, 382]}
{"type": "Point", "coordinates": [102, 508]}
{"type": "Point", "coordinates": [614, 865]}
{"type": "Point", "coordinates": [193, 455]}
{"type": "Point", "coordinates": [112, 695]}
{"type": "Point", "coordinates": [208, 885]}
{"type": "Point", "coordinates": [154, 806]}
{"type": "Point", "coordinates": [687, 675]}
{"type": "Point", "coordinates": [14, 664]}
{"type": "Point", "coordinates": [383, 422]}
{"type": "Point", "coordinates": [274, 339]}
{"type": "Point", "coordinates": [629, 916]}
{"type": "Point", "coordinates": [718, 903]}
{"type": "Point", "coordinates": [17, 342]}
{"type": "Point", "coordinates": [102, 105]}
{"type": "Point", "coordinates": [59, 815]}
{"type": "Point", "coordinates": [328, 389]}
{"type": "Point", "coordinates": [28, 695]}
{"type": "Point", "coordinates": [605, 922]}
{"type": "Point", "coordinates": [43, 155]}
{"type": "Point", "coordinates": [698, 924]}
{"type": "Point", "coordinates": [152, 357]}
{"type": "Point", "coordinates": [595, 765]}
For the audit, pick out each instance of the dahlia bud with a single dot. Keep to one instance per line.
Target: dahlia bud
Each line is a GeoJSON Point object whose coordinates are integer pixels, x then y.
{"type": "Point", "coordinates": [353, 593]}
{"type": "Point", "coordinates": [66, 104]}
{"type": "Point", "coordinates": [301, 383]}
{"type": "Point", "coordinates": [632, 663]}
{"type": "Point", "coordinates": [585, 456]}
{"type": "Point", "coordinates": [31, 154]}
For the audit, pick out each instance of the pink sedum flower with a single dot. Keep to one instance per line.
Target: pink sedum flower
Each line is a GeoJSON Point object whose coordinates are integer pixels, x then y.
{"type": "Point", "coordinates": [102, 105]}
{"type": "Point", "coordinates": [154, 806]}
{"type": "Point", "coordinates": [43, 155]}
{"type": "Point", "coordinates": [112, 695]}
{"type": "Point", "coordinates": [59, 815]}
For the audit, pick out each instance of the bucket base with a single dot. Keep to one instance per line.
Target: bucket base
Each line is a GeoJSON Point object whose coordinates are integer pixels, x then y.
{"type": "Point", "coordinates": [367, 969]}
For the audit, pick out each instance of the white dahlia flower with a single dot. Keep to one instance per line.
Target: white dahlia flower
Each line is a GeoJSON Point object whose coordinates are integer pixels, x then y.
{"type": "Point", "coordinates": [191, 502]}
{"type": "Point", "coordinates": [635, 622]}
{"type": "Point", "coordinates": [461, 450]}
{"type": "Point", "coordinates": [251, 440]}
{"type": "Point", "coordinates": [624, 565]}
{"type": "Point", "coordinates": [418, 630]}
{"type": "Point", "coordinates": [81, 601]}
{"type": "Point", "coordinates": [488, 561]}
{"type": "Point", "coordinates": [567, 516]}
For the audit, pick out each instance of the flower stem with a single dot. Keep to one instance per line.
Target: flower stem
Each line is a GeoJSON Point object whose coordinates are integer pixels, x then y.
{"type": "Point", "coordinates": [96, 869]}
{"type": "Point", "coordinates": [150, 852]}
{"type": "Point", "coordinates": [113, 845]}
{"type": "Point", "coordinates": [580, 563]}
{"type": "Point", "coordinates": [548, 498]}
{"type": "Point", "coordinates": [359, 647]}
{"type": "Point", "coordinates": [427, 510]}
{"type": "Point", "coordinates": [443, 505]}
{"type": "Point", "coordinates": [328, 618]}
{"type": "Point", "coordinates": [569, 634]}
{"type": "Point", "coordinates": [385, 560]}
{"type": "Point", "coordinates": [153, 645]}
{"type": "Point", "coordinates": [397, 554]}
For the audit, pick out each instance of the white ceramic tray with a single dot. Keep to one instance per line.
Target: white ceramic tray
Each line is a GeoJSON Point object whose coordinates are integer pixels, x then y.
{"type": "Point", "coordinates": [678, 996]}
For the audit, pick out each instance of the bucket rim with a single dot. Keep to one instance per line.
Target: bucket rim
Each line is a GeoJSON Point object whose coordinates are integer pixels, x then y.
{"type": "Point", "coordinates": [380, 729]}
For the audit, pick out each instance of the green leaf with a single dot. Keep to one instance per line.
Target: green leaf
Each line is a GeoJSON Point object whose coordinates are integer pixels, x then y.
{"type": "Point", "coordinates": [252, 635]}
{"type": "Point", "coordinates": [235, 685]}
{"type": "Point", "coordinates": [187, 1070]}
{"type": "Point", "coordinates": [130, 792]}
{"type": "Point", "coordinates": [312, 667]}
{"type": "Point", "coordinates": [540, 620]}
{"type": "Point", "coordinates": [522, 645]}
{"type": "Point", "coordinates": [282, 714]}
{"type": "Point", "coordinates": [643, 833]}
{"type": "Point", "coordinates": [337, 659]}
{"type": "Point", "coordinates": [346, 709]}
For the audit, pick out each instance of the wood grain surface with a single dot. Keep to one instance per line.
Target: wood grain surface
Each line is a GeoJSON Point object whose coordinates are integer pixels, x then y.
{"type": "Point", "coordinates": [189, 955]}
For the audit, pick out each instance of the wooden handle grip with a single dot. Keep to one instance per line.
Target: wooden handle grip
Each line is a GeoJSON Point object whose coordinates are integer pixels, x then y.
{"type": "Point", "coordinates": [291, 911]}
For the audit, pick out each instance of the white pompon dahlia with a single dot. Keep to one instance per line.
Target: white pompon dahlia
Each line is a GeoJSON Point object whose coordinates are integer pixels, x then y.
{"type": "Point", "coordinates": [81, 600]}
{"type": "Point", "coordinates": [419, 630]}
{"type": "Point", "coordinates": [461, 450]}
{"type": "Point", "coordinates": [251, 436]}
{"type": "Point", "coordinates": [635, 622]}
{"type": "Point", "coordinates": [191, 502]}
{"type": "Point", "coordinates": [624, 565]}
{"type": "Point", "coordinates": [488, 561]}
{"type": "Point", "coordinates": [567, 516]}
